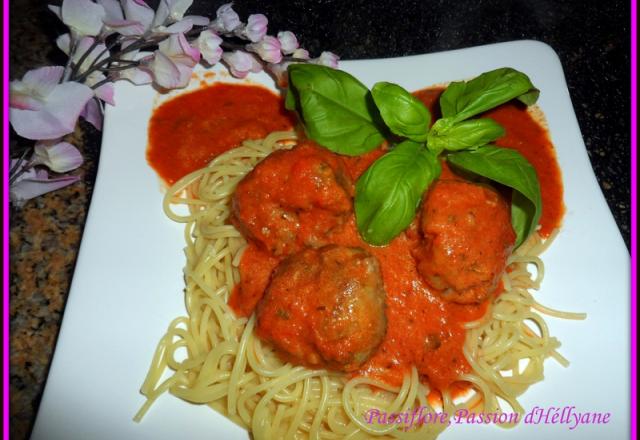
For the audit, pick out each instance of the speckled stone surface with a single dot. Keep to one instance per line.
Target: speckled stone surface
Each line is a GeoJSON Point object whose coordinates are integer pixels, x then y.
{"type": "Point", "coordinates": [591, 38]}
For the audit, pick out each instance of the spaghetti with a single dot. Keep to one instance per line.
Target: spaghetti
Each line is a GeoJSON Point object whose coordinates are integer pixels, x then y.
{"type": "Point", "coordinates": [228, 368]}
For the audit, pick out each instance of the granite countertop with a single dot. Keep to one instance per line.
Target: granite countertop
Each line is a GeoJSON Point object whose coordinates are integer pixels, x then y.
{"type": "Point", "coordinates": [592, 41]}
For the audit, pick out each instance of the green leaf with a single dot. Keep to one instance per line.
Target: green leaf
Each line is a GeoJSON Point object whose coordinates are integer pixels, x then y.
{"type": "Point", "coordinates": [462, 100]}
{"type": "Point", "coordinates": [463, 135]}
{"type": "Point", "coordinates": [511, 169]}
{"type": "Point", "coordinates": [389, 192]}
{"type": "Point", "coordinates": [290, 100]}
{"type": "Point", "coordinates": [336, 109]}
{"type": "Point", "coordinates": [404, 114]}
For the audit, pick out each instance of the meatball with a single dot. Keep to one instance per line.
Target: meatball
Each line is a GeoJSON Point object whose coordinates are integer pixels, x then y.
{"type": "Point", "coordinates": [325, 308]}
{"type": "Point", "coordinates": [293, 199]}
{"type": "Point", "coordinates": [467, 237]}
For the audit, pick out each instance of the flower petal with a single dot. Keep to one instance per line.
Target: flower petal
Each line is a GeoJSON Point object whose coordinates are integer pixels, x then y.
{"type": "Point", "coordinates": [256, 27]}
{"type": "Point", "coordinates": [59, 157]}
{"type": "Point", "coordinates": [288, 42]}
{"type": "Point", "coordinates": [112, 9]}
{"type": "Point", "coordinates": [56, 10]}
{"type": "Point", "coordinates": [178, 48]}
{"type": "Point", "coordinates": [44, 79]}
{"type": "Point", "coordinates": [268, 49]}
{"type": "Point", "coordinates": [83, 16]}
{"type": "Point", "coordinates": [57, 117]}
{"type": "Point", "coordinates": [181, 26]}
{"type": "Point", "coordinates": [178, 8]}
{"type": "Point", "coordinates": [29, 188]}
{"type": "Point", "coordinates": [30, 93]}
{"type": "Point", "coordinates": [198, 20]}
{"type": "Point", "coordinates": [138, 10]}
{"type": "Point", "coordinates": [241, 63]}
{"type": "Point", "coordinates": [227, 20]}
{"type": "Point", "coordinates": [209, 45]}
{"type": "Point", "coordinates": [125, 27]}
{"type": "Point", "coordinates": [92, 113]}
{"type": "Point", "coordinates": [301, 54]}
{"type": "Point", "coordinates": [327, 59]}
{"type": "Point", "coordinates": [165, 72]}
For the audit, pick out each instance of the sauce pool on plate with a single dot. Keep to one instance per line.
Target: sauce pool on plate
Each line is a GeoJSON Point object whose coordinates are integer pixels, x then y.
{"type": "Point", "coordinates": [190, 130]}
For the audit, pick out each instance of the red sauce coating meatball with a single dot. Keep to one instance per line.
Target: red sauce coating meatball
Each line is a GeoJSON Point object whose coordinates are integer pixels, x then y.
{"type": "Point", "coordinates": [293, 199]}
{"type": "Point", "coordinates": [325, 308]}
{"type": "Point", "coordinates": [467, 239]}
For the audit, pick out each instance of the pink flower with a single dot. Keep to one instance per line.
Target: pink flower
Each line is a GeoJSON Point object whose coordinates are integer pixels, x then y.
{"type": "Point", "coordinates": [198, 20]}
{"type": "Point", "coordinates": [288, 42]}
{"type": "Point", "coordinates": [138, 11]}
{"type": "Point", "coordinates": [268, 49]}
{"type": "Point", "coordinates": [301, 54]}
{"type": "Point", "coordinates": [63, 42]}
{"type": "Point", "coordinates": [43, 108]}
{"type": "Point", "coordinates": [227, 20]}
{"type": "Point", "coordinates": [173, 62]}
{"type": "Point", "coordinates": [209, 45]}
{"type": "Point", "coordinates": [57, 156]}
{"type": "Point", "coordinates": [92, 113]}
{"type": "Point", "coordinates": [256, 28]}
{"type": "Point", "coordinates": [169, 17]}
{"type": "Point", "coordinates": [112, 9]}
{"type": "Point", "coordinates": [241, 63]}
{"type": "Point", "coordinates": [171, 11]}
{"type": "Point", "coordinates": [34, 183]}
{"type": "Point", "coordinates": [327, 59]}
{"type": "Point", "coordinates": [83, 17]}
{"type": "Point", "coordinates": [136, 75]}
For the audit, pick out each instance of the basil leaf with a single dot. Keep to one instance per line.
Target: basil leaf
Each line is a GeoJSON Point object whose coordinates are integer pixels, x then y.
{"type": "Point", "coordinates": [466, 134]}
{"type": "Point", "coordinates": [462, 100]}
{"type": "Point", "coordinates": [290, 100]}
{"type": "Point", "coordinates": [389, 192]}
{"type": "Point", "coordinates": [404, 114]}
{"type": "Point", "coordinates": [509, 168]}
{"type": "Point", "coordinates": [336, 109]}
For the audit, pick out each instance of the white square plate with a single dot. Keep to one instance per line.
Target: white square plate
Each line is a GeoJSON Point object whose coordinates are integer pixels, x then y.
{"type": "Point", "coordinates": [128, 282]}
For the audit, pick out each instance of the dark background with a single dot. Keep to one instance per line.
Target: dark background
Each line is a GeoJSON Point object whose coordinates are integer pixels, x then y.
{"type": "Point", "coordinates": [591, 38]}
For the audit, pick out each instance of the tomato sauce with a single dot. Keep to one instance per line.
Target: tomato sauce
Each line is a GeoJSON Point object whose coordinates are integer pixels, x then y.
{"type": "Point", "coordinates": [188, 131]}
{"type": "Point", "coordinates": [527, 136]}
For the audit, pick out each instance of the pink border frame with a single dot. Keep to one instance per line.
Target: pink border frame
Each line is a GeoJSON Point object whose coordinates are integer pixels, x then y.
{"type": "Point", "coordinates": [5, 217]}
{"type": "Point", "coordinates": [634, 249]}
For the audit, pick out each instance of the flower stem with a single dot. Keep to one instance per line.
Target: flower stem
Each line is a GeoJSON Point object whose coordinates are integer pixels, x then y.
{"type": "Point", "coordinates": [84, 56]}
{"type": "Point", "coordinates": [72, 49]}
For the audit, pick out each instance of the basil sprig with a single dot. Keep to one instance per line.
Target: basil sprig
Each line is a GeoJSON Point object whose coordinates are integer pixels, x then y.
{"type": "Point", "coordinates": [403, 113]}
{"type": "Point", "coordinates": [336, 109]}
{"type": "Point", "coordinates": [463, 100]}
{"type": "Point", "coordinates": [511, 169]}
{"type": "Point", "coordinates": [389, 192]}
{"type": "Point", "coordinates": [340, 113]}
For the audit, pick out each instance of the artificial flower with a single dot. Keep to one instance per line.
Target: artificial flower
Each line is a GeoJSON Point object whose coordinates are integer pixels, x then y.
{"type": "Point", "coordinates": [173, 62]}
{"type": "Point", "coordinates": [288, 42]}
{"type": "Point", "coordinates": [227, 20]}
{"type": "Point", "coordinates": [301, 54]}
{"type": "Point", "coordinates": [256, 28]}
{"type": "Point", "coordinates": [268, 49]}
{"type": "Point", "coordinates": [209, 44]}
{"type": "Point", "coordinates": [44, 108]}
{"type": "Point", "coordinates": [138, 11]}
{"type": "Point", "coordinates": [83, 17]}
{"type": "Point", "coordinates": [241, 63]}
{"type": "Point", "coordinates": [33, 183]}
{"type": "Point", "coordinates": [57, 156]}
{"type": "Point", "coordinates": [327, 59]}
